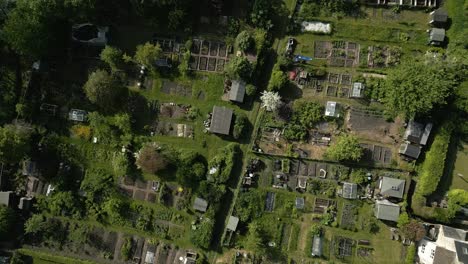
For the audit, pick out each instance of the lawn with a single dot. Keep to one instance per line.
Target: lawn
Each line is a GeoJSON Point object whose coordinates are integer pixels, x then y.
{"type": "Point", "coordinates": [460, 170]}
{"type": "Point", "coordinates": [46, 258]}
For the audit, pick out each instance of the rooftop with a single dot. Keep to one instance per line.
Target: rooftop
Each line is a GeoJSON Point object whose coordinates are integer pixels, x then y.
{"type": "Point", "coordinates": [5, 198]}
{"type": "Point", "coordinates": [300, 202]}
{"type": "Point", "coordinates": [200, 204]}
{"type": "Point", "coordinates": [330, 109]}
{"type": "Point", "coordinates": [232, 223]}
{"type": "Point", "coordinates": [385, 210]}
{"type": "Point", "coordinates": [221, 120]}
{"type": "Point", "coordinates": [410, 150]}
{"type": "Point", "coordinates": [438, 16]}
{"type": "Point", "coordinates": [349, 190]}
{"type": "Point", "coordinates": [437, 35]}
{"type": "Point", "coordinates": [77, 115]}
{"type": "Point", "coordinates": [392, 187]}
{"type": "Point", "coordinates": [317, 246]}
{"type": "Point", "coordinates": [358, 89]}
{"type": "Point", "coordinates": [237, 92]}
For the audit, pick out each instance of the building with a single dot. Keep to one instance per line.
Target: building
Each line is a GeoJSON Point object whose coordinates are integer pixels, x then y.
{"type": "Point", "coordinates": [317, 246]}
{"type": "Point", "coordinates": [385, 210]}
{"type": "Point", "coordinates": [300, 203]}
{"type": "Point", "coordinates": [417, 133]}
{"type": "Point", "coordinates": [331, 109]}
{"type": "Point", "coordinates": [438, 17]}
{"type": "Point", "coordinates": [410, 151]}
{"type": "Point", "coordinates": [221, 120]}
{"type": "Point", "coordinates": [200, 204]}
{"type": "Point", "coordinates": [25, 204]}
{"type": "Point", "coordinates": [437, 36]}
{"type": "Point", "coordinates": [414, 3]}
{"type": "Point", "coordinates": [232, 223]}
{"type": "Point", "coordinates": [90, 34]}
{"type": "Point", "coordinates": [35, 186]}
{"type": "Point", "coordinates": [358, 90]}
{"type": "Point", "coordinates": [349, 190]}
{"type": "Point", "coordinates": [150, 254]}
{"type": "Point", "coordinates": [449, 247]}
{"type": "Point", "coordinates": [6, 198]}
{"type": "Point", "coordinates": [77, 115]}
{"type": "Point", "coordinates": [237, 92]}
{"type": "Point", "coordinates": [392, 187]}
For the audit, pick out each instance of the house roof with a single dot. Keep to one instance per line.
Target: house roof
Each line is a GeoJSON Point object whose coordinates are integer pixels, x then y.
{"type": "Point", "coordinates": [385, 210]}
{"type": "Point", "coordinates": [349, 190]}
{"type": "Point", "coordinates": [200, 204]}
{"type": "Point", "coordinates": [357, 89]}
{"type": "Point", "coordinates": [410, 150]}
{"type": "Point", "coordinates": [221, 120]}
{"type": "Point", "coordinates": [300, 202]}
{"type": "Point", "coordinates": [77, 115]}
{"type": "Point", "coordinates": [237, 91]}
{"type": "Point", "coordinates": [437, 35]}
{"type": "Point", "coordinates": [232, 223]}
{"type": "Point", "coordinates": [392, 187]}
{"type": "Point", "coordinates": [330, 109]}
{"type": "Point", "coordinates": [317, 246]}
{"type": "Point", "coordinates": [454, 233]}
{"type": "Point", "coordinates": [438, 16]}
{"type": "Point", "coordinates": [5, 198]}
{"type": "Point", "coordinates": [443, 255]}
{"type": "Point", "coordinates": [461, 249]}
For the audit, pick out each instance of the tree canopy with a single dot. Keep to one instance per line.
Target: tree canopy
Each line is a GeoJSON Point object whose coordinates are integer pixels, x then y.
{"type": "Point", "coordinates": [151, 160]}
{"type": "Point", "coordinates": [104, 90]}
{"type": "Point", "coordinates": [345, 148]}
{"type": "Point", "coordinates": [147, 54]}
{"type": "Point", "coordinates": [7, 220]}
{"type": "Point", "coordinates": [244, 40]}
{"type": "Point", "coordinates": [113, 57]}
{"type": "Point", "coordinates": [270, 100]}
{"type": "Point", "coordinates": [14, 143]}
{"type": "Point", "coordinates": [277, 81]}
{"type": "Point", "coordinates": [239, 67]}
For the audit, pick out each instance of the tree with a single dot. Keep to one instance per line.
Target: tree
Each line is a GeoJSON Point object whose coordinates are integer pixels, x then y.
{"type": "Point", "coordinates": [359, 176]}
{"type": "Point", "coordinates": [126, 249]}
{"type": "Point", "coordinates": [346, 147]}
{"type": "Point", "coordinates": [14, 143]}
{"type": "Point", "coordinates": [184, 66]}
{"type": "Point", "coordinates": [113, 57]}
{"type": "Point", "coordinates": [104, 90]}
{"type": "Point", "coordinates": [250, 90]}
{"type": "Point", "coordinates": [7, 221]}
{"type": "Point", "coordinates": [403, 220]}
{"type": "Point", "coordinates": [240, 126]}
{"type": "Point", "coordinates": [190, 169]}
{"type": "Point", "coordinates": [414, 231]}
{"type": "Point", "coordinates": [147, 54]}
{"type": "Point", "coordinates": [295, 132]}
{"type": "Point", "coordinates": [151, 160]}
{"type": "Point", "coordinates": [254, 241]}
{"type": "Point", "coordinates": [277, 81]}
{"type": "Point", "coordinates": [416, 87]}
{"type": "Point", "coordinates": [239, 67]}
{"type": "Point", "coordinates": [307, 113]}
{"type": "Point", "coordinates": [270, 100]}
{"type": "Point", "coordinates": [35, 224]}
{"type": "Point", "coordinates": [244, 40]}
{"type": "Point", "coordinates": [203, 234]}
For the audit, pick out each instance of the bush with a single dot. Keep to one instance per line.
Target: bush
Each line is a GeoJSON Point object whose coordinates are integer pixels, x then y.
{"type": "Point", "coordinates": [277, 81]}
{"type": "Point", "coordinates": [250, 90]}
{"type": "Point", "coordinates": [223, 163]}
{"type": "Point", "coordinates": [346, 147]}
{"type": "Point", "coordinates": [433, 166]}
{"type": "Point", "coordinates": [126, 249]}
{"type": "Point", "coordinates": [239, 67]}
{"type": "Point", "coordinates": [244, 41]}
{"type": "Point", "coordinates": [240, 126]}
{"type": "Point", "coordinates": [410, 254]}
{"type": "Point", "coordinates": [358, 176]}
{"type": "Point", "coordinates": [202, 235]}
{"type": "Point", "coordinates": [150, 160]}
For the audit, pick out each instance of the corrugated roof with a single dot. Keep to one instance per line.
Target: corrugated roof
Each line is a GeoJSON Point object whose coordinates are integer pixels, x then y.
{"type": "Point", "coordinates": [357, 89]}
{"type": "Point", "coordinates": [349, 190]}
{"type": "Point", "coordinates": [392, 187]}
{"type": "Point", "coordinates": [200, 204]}
{"type": "Point", "coordinates": [237, 91]}
{"type": "Point", "coordinates": [232, 223]}
{"type": "Point", "coordinates": [437, 34]}
{"type": "Point", "coordinates": [438, 16]}
{"type": "Point", "coordinates": [410, 150]}
{"type": "Point", "coordinates": [425, 134]}
{"type": "Point", "coordinates": [221, 120]}
{"type": "Point", "coordinates": [385, 210]}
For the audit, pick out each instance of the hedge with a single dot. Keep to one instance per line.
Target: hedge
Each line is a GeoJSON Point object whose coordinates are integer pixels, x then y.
{"type": "Point", "coordinates": [410, 254]}
{"type": "Point", "coordinates": [433, 167]}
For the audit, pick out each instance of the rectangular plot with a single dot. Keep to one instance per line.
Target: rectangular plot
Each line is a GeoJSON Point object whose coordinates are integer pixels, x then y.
{"type": "Point", "coordinates": [211, 64]}
{"type": "Point", "coordinates": [222, 50]}
{"type": "Point", "coordinates": [270, 201]}
{"type": "Point", "coordinates": [331, 91]}
{"type": "Point", "coordinates": [194, 60]}
{"type": "Point", "coordinates": [203, 64]}
{"type": "Point", "coordinates": [214, 49]}
{"type": "Point", "coordinates": [196, 46]}
{"type": "Point", "coordinates": [205, 48]}
{"type": "Point", "coordinates": [220, 65]}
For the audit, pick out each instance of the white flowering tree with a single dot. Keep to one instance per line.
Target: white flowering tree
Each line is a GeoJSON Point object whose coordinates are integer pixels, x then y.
{"type": "Point", "coordinates": [270, 100]}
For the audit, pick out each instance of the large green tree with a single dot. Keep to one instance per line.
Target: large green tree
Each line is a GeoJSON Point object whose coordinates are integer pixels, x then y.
{"type": "Point", "coordinates": [345, 148]}
{"type": "Point", "coordinates": [7, 221]}
{"type": "Point", "coordinates": [104, 90]}
{"type": "Point", "coordinates": [277, 81]}
{"type": "Point", "coordinates": [417, 87]}
{"type": "Point", "coordinates": [239, 67]}
{"type": "Point", "coordinates": [147, 54]}
{"type": "Point", "coordinates": [113, 57]}
{"type": "Point", "coordinates": [14, 143]}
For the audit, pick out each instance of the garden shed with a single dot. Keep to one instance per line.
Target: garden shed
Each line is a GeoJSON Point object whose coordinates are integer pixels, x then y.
{"type": "Point", "coordinates": [417, 133]}
{"type": "Point", "coordinates": [410, 151]}
{"type": "Point", "coordinates": [385, 210]}
{"type": "Point", "coordinates": [391, 187]}
{"type": "Point", "coordinates": [331, 109]}
{"type": "Point", "coordinates": [221, 120]}
{"type": "Point", "coordinates": [358, 90]}
{"type": "Point", "coordinates": [200, 204]}
{"type": "Point", "coordinates": [436, 36]}
{"type": "Point", "coordinates": [237, 92]}
{"type": "Point", "coordinates": [232, 223]}
{"type": "Point", "coordinates": [77, 115]}
{"type": "Point", "coordinates": [349, 190]}
{"type": "Point", "coordinates": [438, 17]}
{"type": "Point", "coordinates": [300, 203]}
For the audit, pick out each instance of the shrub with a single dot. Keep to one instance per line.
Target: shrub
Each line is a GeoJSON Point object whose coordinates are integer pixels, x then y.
{"type": "Point", "coordinates": [346, 147]}
{"type": "Point", "coordinates": [223, 163]}
{"type": "Point", "coordinates": [244, 41]}
{"type": "Point", "coordinates": [126, 249]}
{"type": "Point", "coordinates": [240, 126]}
{"type": "Point", "coordinates": [358, 176]}
{"type": "Point", "coordinates": [81, 131]}
{"type": "Point", "coordinates": [410, 254]}
{"type": "Point", "coordinates": [433, 167]}
{"type": "Point", "coordinates": [202, 235]}
{"type": "Point", "coordinates": [250, 90]}
{"type": "Point", "coordinates": [277, 81]}
{"type": "Point", "coordinates": [150, 160]}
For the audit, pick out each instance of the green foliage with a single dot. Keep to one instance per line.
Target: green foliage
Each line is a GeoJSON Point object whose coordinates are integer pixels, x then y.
{"type": "Point", "coordinates": [79, 234]}
{"type": "Point", "coordinates": [240, 126]}
{"type": "Point", "coordinates": [223, 162]}
{"type": "Point", "coordinates": [410, 254]}
{"type": "Point", "coordinates": [35, 224]}
{"type": "Point", "coordinates": [239, 67]}
{"type": "Point", "coordinates": [249, 205]}
{"type": "Point", "coordinates": [261, 14]}
{"type": "Point", "coordinates": [403, 220]}
{"type": "Point", "coordinates": [295, 132]}
{"type": "Point", "coordinates": [346, 147]}
{"type": "Point", "coordinates": [7, 221]}
{"type": "Point", "coordinates": [115, 210]}
{"type": "Point", "coordinates": [316, 229]}
{"type": "Point", "coordinates": [202, 235]}
{"type": "Point", "coordinates": [184, 66]}
{"type": "Point", "coordinates": [62, 203]}
{"type": "Point", "coordinates": [305, 115]}
{"type": "Point", "coordinates": [358, 176]}
{"type": "Point", "coordinates": [126, 250]}
{"type": "Point", "coordinates": [244, 41]}
{"type": "Point", "coordinates": [147, 54]}
{"type": "Point", "coordinates": [190, 170]}
{"type": "Point", "coordinates": [211, 191]}
{"type": "Point", "coordinates": [112, 130]}
{"type": "Point", "coordinates": [250, 90]}
{"type": "Point", "coordinates": [14, 143]}
{"type": "Point", "coordinates": [413, 230]}
{"type": "Point", "coordinates": [113, 57]}
{"type": "Point", "coordinates": [254, 241]}
{"type": "Point", "coordinates": [104, 90]}
{"type": "Point", "coordinates": [151, 160]}
{"type": "Point", "coordinates": [17, 258]}
{"type": "Point", "coordinates": [7, 94]}
{"type": "Point", "coordinates": [277, 81]}
{"type": "Point", "coordinates": [457, 198]}
{"type": "Point", "coordinates": [416, 87]}
{"type": "Point", "coordinates": [432, 168]}
{"type": "Point", "coordinates": [338, 8]}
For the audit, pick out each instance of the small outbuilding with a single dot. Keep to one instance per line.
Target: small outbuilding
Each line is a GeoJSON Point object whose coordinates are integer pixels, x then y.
{"type": "Point", "coordinates": [358, 90]}
{"type": "Point", "coordinates": [221, 120]}
{"type": "Point", "coordinates": [317, 245]}
{"type": "Point", "coordinates": [77, 115]}
{"type": "Point", "coordinates": [6, 198]}
{"type": "Point", "coordinates": [410, 151]}
{"type": "Point", "coordinates": [385, 210]}
{"type": "Point", "coordinates": [232, 223]}
{"type": "Point", "coordinates": [436, 36]}
{"type": "Point", "coordinates": [417, 133]}
{"type": "Point", "coordinates": [237, 92]}
{"type": "Point", "coordinates": [392, 187]}
{"type": "Point", "coordinates": [438, 17]}
{"type": "Point", "coordinates": [300, 203]}
{"type": "Point", "coordinates": [200, 204]}
{"type": "Point", "coordinates": [331, 109]}
{"type": "Point", "coordinates": [150, 254]}
{"type": "Point", "coordinates": [349, 190]}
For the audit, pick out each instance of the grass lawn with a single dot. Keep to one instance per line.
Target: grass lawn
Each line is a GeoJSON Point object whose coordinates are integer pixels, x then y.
{"type": "Point", "coordinates": [460, 170]}
{"type": "Point", "coordinates": [39, 257]}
